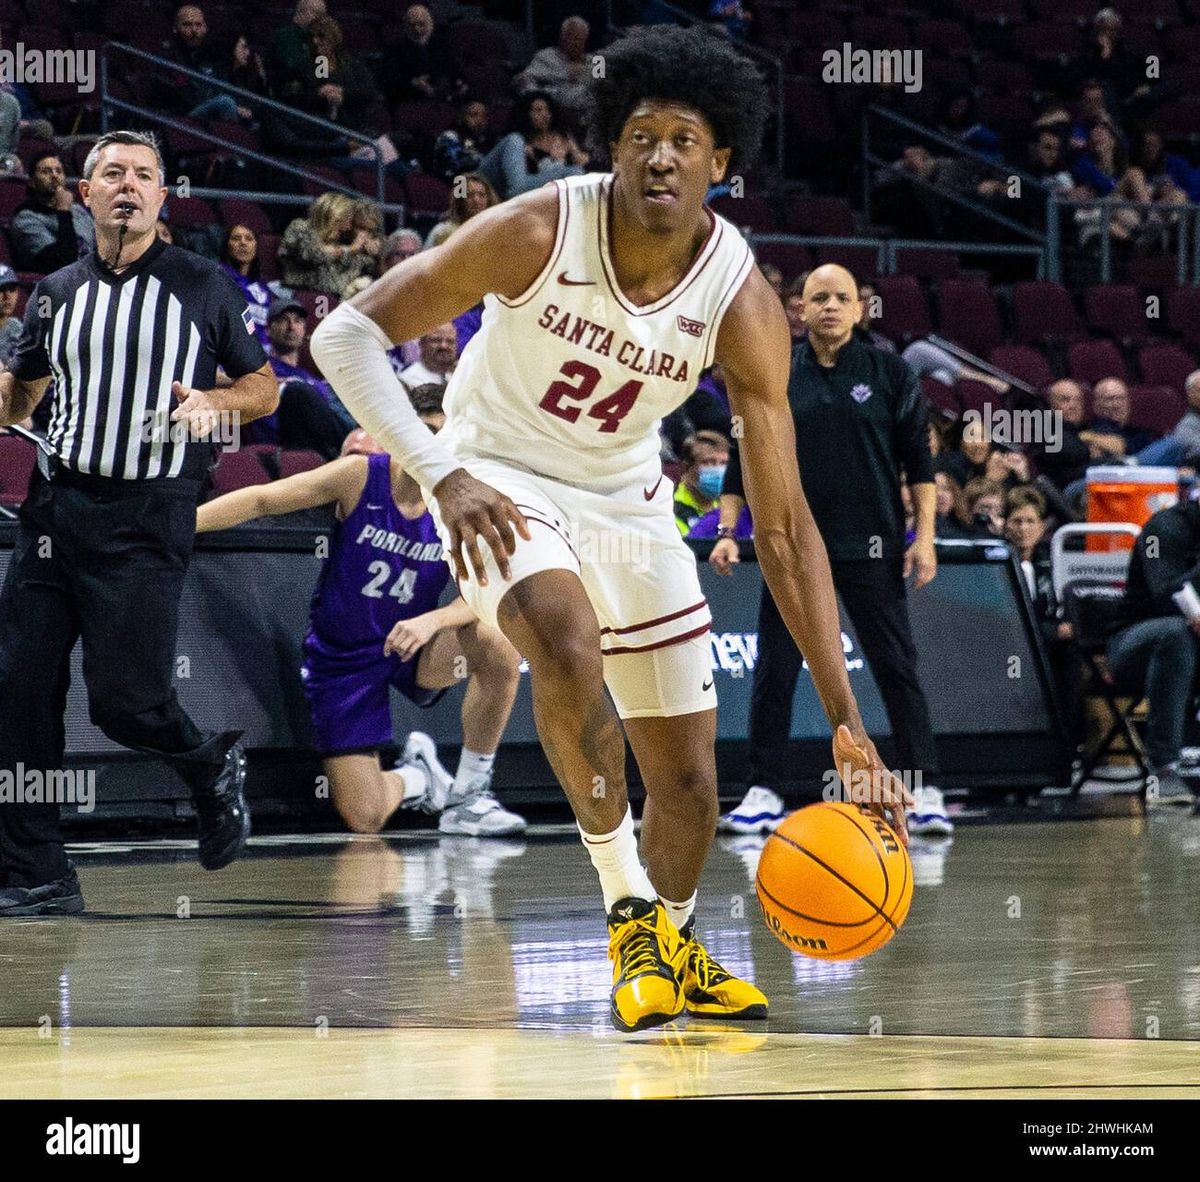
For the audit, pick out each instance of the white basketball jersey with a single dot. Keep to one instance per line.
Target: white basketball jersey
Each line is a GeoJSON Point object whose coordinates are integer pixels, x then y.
{"type": "Point", "coordinates": [570, 380]}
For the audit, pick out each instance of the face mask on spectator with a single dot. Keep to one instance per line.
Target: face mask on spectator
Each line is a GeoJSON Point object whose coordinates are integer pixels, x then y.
{"type": "Point", "coordinates": [710, 479]}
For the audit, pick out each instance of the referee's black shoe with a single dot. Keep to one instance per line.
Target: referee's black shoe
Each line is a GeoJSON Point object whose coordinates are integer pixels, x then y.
{"type": "Point", "coordinates": [221, 812]}
{"type": "Point", "coordinates": [63, 896]}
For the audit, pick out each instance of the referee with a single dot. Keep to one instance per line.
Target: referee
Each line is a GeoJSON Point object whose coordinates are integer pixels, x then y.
{"type": "Point", "coordinates": [132, 335]}
{"type": "Point", "coordinates": [860, 421]}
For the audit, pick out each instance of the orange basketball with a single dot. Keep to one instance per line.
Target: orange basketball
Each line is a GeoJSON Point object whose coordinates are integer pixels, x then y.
{"type": "Point", "coordinates": [834, 882]}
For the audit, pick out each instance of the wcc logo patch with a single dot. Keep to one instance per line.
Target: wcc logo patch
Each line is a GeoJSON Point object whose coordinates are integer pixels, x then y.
{"type": "Point", "coordinates": [861, 392]}
{"type": "Point", "coordinates": [694, 328]}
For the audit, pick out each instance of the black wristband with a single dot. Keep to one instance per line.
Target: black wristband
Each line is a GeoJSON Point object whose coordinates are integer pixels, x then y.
{"type": "Point", "coordinates": [726, 531]}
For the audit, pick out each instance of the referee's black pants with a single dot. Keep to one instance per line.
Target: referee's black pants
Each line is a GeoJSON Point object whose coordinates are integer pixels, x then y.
{"type": "Point", "coordinates": [103, 561]}
{"type": "Point", "coordinates": [874, 596]}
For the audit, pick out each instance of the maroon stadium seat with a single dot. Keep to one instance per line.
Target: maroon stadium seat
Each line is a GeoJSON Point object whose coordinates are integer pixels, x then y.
{"type": "Point", "coordinates": [238, 469]}
{"type": "Point", "coordinates": [12, 195]}
{"type": "Point", "coordinates": [927, 264]}
{"type": "Point", "coordinates": [978, 395]}
{"type": "Point", "coordinates": [29, 147]}
{"type": "Point", "coordinates": [1183, 314]}
{"type": "Point", "coordinates": [948, 38]}
{"type": "Point", "coordinates": [1024, 362]}
{"type": "Point", "coordinates": [905, 311]}
{"type": "Point", "coordinates": [1165, 365]}
{"type": "Point", "coordinates": [757, 213]}
{"type": "Point", "coordinates": [190, 211]}
{"type": "Point", "coordinates": [1156, 271]}
{"type": "Point", "coordinates": [969, 315]}
{"type": "Point", "coordinates": [294, 461]}
{"type": "Point", "coordinates": [427, 194]}
{"type": "Point", "coordinates": [17, 459]}
{"type": "Point", "coordinates": [237, 212]}
{"type": "Point", "coordinates": [858, 260]}
{"type": "Point", "coordinates": [941, 396]}
{"type": "Point", "coordinates": [1117, 309]}
{"type": "Point", "coordinates": [427, 117]}
{"type": "Point", "coordinates": [1093, 361]}
{"type": "Point", "coordinates": [1156, 408]}
{"type": "Point", "coordinates": [999, 75]}
{"type": "Point", "coordinates": [1045, 41]}
{"type": "Point", "coordinates": [268, 257]}
{"type": "Point", "coordinates": [806, 107]}
{"type": "Point", "coordinates": [1044, 312]}
{"type": "Point", "coordinates": [317, 304]}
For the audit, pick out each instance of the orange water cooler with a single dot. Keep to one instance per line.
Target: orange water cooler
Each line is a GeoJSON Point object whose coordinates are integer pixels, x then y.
{"type": "Point", "coordinates": [1116, 493]}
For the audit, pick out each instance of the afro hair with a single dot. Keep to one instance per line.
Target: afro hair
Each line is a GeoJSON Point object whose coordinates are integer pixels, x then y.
{"type": "Point", "coordinates": [694, 67]}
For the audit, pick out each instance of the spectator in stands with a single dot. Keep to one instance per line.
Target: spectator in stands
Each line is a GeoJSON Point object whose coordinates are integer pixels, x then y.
{"type": "Point", "coordinates": [10, 133]}
{"type": "Point", "coordinates": [774, 276]}
{"type": "Point", "coordinates": [26, 119]}
{"type": "Point", "coordinates": [1166, 172]}
{"type": "Point", "coordinates": [459, 150]}
{"type": "Point", "coordinates": [868, 296]}
{"type": "Point", "coordinates": [1048, 161]}
{"type": "Point", "coordinates": [705, 457]}
{"type": "Point", "coordinates": [731, 17]}
{"type": "Point", "coordinates": [421, 65]}
{"type": "Point", "coordinates": [310, 414]}
{"type": "Point", "coordinates": [1009, 467]}
{"type": "Point", "coordinates": [190, 47]}
{"type": "Point", "coordinates": [1182, 445]}
{"type": "Point", "coordinates": [968, 459]}
{"type": "Point", "coordinates": [10, 325]}
{"type": "Point", "coordinates": [946, 498]}
{"type": "Point", "coordinates": [325, 251]}
{"type": "Point", "coordinates": [1110, 430]}
{"type": "Point", "coordinates": [1103, 169]}
{"type": "Point", "coordinates": [477, 195]}
{"type": "Point", "coordinates": [50, 229]}
{"type": "Point", "coordinates": [537, 150]}
{"type": "Point", "coordinates": [793, 307]}
{"type": "Point", "coordinates": [958, 120]}
{"type": "Point", "coordinates": [1071, 454]}
{"type": "Point", "coordinates": [439, 355]}
{"type": "Point", "coordinates": [1025, 529]}
{"type": "Point", "coordinates": [562, 71]}
{"type": "Point", "coordinates": [981, 510]}
{"type": "Point", "coordinates": [1108, 62]}
{"type": "Point", "coordinates": [290, 56]}
{"type": "Point", "coordinates": [344, 90]}
{"type": "Point", "coordinates": [1154, 646]}
{"type": "Point", "coordinates": [244, 68]}
{"type": "Point", "coordinates": [239, 260]}
{"type": "Point", "coordinates": [398, 246]}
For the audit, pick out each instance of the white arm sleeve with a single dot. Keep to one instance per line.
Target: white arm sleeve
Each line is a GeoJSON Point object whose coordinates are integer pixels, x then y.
{"type": "Point", "coordinates": [351, 350]}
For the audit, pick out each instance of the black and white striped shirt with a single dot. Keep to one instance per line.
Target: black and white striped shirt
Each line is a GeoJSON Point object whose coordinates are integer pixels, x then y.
{"type": "Point", "coordinates": [115, 343]}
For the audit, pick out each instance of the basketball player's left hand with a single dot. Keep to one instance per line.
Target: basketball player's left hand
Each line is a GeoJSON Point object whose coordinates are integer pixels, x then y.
{"type": "Point", "coordinates": [408, 637]}
{"type": "Point", "coordinates": [920, 557]}
{"type": "Point", "coordinates": [196, 408]}
{"type": "Point", "coordinates": [887, 796]}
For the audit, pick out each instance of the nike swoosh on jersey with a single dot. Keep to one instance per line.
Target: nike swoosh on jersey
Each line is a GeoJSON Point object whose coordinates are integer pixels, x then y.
{"type": "Point", "coordinates": [562, 278]}
{"type": "Point", "coordinates": [650, 495]}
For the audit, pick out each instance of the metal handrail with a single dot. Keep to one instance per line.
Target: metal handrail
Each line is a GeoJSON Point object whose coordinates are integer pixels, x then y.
{"type": "Point", "coordinates": [108, 100]}
{"type": "Point", "coordinates": [1189, 217]}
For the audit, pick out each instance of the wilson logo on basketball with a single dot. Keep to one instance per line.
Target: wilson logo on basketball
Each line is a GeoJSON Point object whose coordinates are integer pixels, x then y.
{"type": "Point", "coordinates": [694, 328]}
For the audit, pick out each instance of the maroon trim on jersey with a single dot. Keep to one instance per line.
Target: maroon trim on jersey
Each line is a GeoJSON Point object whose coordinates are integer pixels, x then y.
{"type": "Point", "coordinates": [550, 526]}
{"type": "Point", "coordinates": [701, 260]}
{"type": "Point", "coordinates": [654, 623]}
{"type": "Point", "coordinates": [645, 648]}
{"type": "Point", "coordinates": [727, 297]}
{"type": "Point", "coordinates": [560, 239]}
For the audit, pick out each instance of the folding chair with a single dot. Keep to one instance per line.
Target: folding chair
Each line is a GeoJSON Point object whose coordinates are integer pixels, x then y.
{"type": "Point", "coordinates": [1090, 606]}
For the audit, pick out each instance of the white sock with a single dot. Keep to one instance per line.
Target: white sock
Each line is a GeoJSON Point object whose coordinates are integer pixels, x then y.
{"type": "Point", "coordinates": [680, 913]}
{"type": "Point", "coordinates": [471, 766]}
{"type": "Point", "coordinates": [615, 857]}
{"type": "Point", "coordinates": [415, 781]}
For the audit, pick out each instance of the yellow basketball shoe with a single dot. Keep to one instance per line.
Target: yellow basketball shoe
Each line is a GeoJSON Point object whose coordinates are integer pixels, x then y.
{"type": "Point", "coordinates": [647, 956]}
{"type": "Point", "coordinates": [710, 991]}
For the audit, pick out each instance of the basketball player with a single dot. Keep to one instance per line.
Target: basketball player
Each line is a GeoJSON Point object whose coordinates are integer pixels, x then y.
{"type": "Point", "coordinates": [605, 296]}
{"type": "Point", "coordinates": [375, 623]}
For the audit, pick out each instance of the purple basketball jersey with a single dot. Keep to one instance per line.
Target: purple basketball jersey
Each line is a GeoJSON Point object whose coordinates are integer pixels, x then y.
{"type": "Point", "coordinates": [382, 568]}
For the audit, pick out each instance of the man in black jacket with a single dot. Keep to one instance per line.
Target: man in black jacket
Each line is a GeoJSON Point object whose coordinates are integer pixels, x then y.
{"type": "Point", "coordinates": [1154, 644]}
{"type": "Point", "coordinates": [860, 422]}
{"type": "Point", "coordinates": [51, 229]}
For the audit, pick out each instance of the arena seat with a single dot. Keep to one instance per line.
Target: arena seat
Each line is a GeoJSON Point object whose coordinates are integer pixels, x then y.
{"type": "Point", "coordinates": [820, 215]}
{"type": "Point", "coordinates": [905, 310]}
{"type": "Point", "coordinates": [235, 211]}
{"type": "Point", "coordinates": [293, 461]}
{"type": "Point", "coordinates": [790, 257]}
{"type": "Point", "coordinates": [927, 263]}
{"type": "Point", "coordinates": [1117, 309]}
{"type": "Point", "coordinates": [859, 260]}
{"type": "Point", "coordinates": [1165, 365]}
{"type": "Point", "coordinates": [1093, 361]}
{"type": "Point", "coordinates": [969, 315]}
{"type": "Point", "coordinates": [1044, 313]}
{"type": "Point", "coordinates": [947, 37]}
{"type": "Point", "coordinates": [1024, 362]}
{"type": "Point", "coordinates": [17, 459]}
{"type": "Point", "coordinates": [12, 196]}
{"type": "Point", "coordinates": [755, 212]}
{"type": "Point", "coordinates": [1183, 314]}
{"type": "Point", "coordinates": [184, 212]}
{"type": "Point", "coordinates": [268, 257]}
{"type": "Point", "coordinates": [238, 469]}
{"type": "Point", "coordinates": [1156, 408]}
{"type": "Point", "coordinates": [978, 396]}
{"type": "Point", "coordinates": [941, 397]}
{"type": "Point", "coordinates": [427, 194]}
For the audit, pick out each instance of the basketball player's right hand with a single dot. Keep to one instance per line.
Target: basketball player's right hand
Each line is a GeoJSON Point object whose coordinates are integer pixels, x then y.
{"type": "Point", "coordinates": [472, 510]}
{"type": "Point", "coordinates": [724, 556]}
{"type": "Point", "coordinates": [855, 753]}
